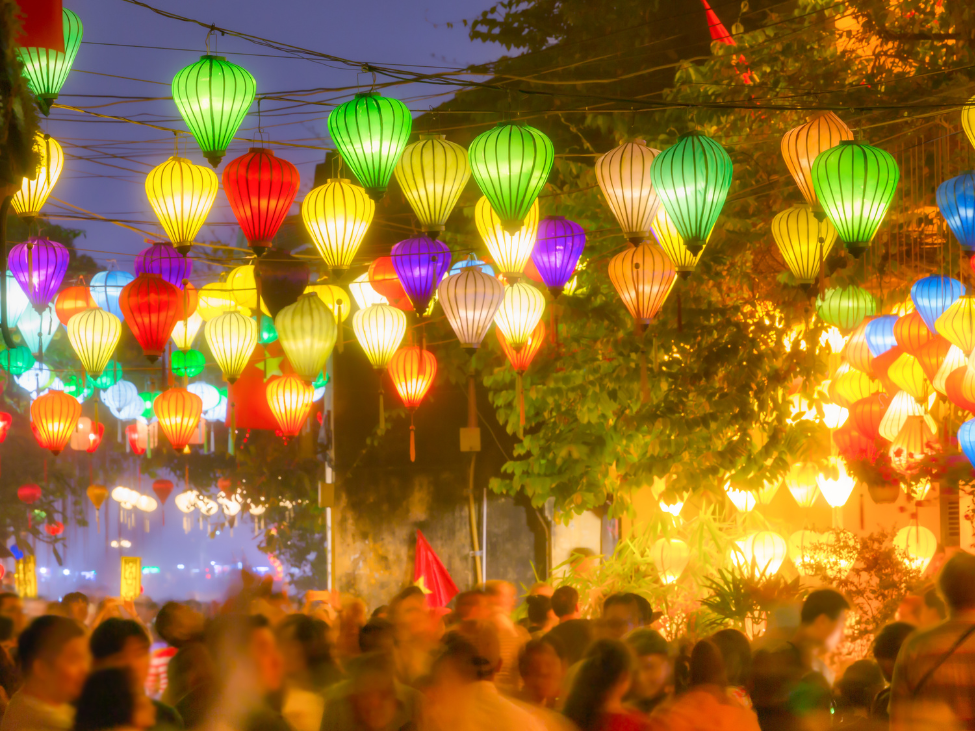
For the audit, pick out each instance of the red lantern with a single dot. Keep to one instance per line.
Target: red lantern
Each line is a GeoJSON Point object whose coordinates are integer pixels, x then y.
{"type": "Point", "coordinates": [521, 359]}
{"type": "Point", "coordinates": [189, 298]}
{"type": "Point", "coordinates": [412, 370]}
{"type": "Point", "coordinates": [151, 306]}
{"type": "Point", "coordinates": [71, 301]}
{"type": "Point", "coordinates": [853, 445]}
{"type": "Point", "coordinates": [54, 529]}
{"type": "Point", "coordinates": [261, 189]}
{"type": "Point", "coordinates": [95, 437]}
{"type": "Point", "coordinates": [178, 412]}
{"type": "Point", "coordinates": [55, 417]}
{"type": "Point", "coordinates": [880, 366]}
{"type": "Point", "coordinates": [932, 354]}
{"type": "Point", "coordinates": [290, 398]}
{"type": "Point", "coordinates": [911, 333]}
{"type": "Point", "coordinates": [382, 277]}
{"type": "Point", "coordinates": [162, 488]}
{"type": "Point", "coordinates": [955, 392]}
{"type": "Point", "coordinates": [224, 485]}
{"type": "Point", "coordinates": [867, 413]}
{"type": "Point", "coordinates": [29, 494]}
{"type": "Point", "coordinates": [5, 421]}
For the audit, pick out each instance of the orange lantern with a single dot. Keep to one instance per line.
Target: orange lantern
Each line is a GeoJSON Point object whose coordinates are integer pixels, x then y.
{"type": "Point", "coordinates": [412, 371]}
{"type": "Point", "coordinates": [911, 333]}
{"type": "Point", "coordinates": [290, 398]}
{"type": "Point", "coordinates": [71, 301]}
{"type": "Point", "coordinates": [178, 412]}
{"type": "Point", "coordinates": [521, 359]}
{"type": "Point", "coordinates": [55, 418]}
{"type": "Point", "coordinates": [643, 276]}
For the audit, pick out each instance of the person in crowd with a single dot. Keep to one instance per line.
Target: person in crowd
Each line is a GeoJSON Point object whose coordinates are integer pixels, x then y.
{"type": "Point", "coordinates": [822, 623]}
{"type": "Point", "coordinates": [886, 646]}
{"type": "Point", "coordinates": [190, 670]}
{"type": "Point", "coordinates": [9, 675]}
{"type": "Point", "coordinates": [416, 634]}
{"type": "Point", "coordinates": [621, 615]}
{"type": "Point", "coordinates": [860, 684]}
{"type": "Point", "coordinates": [12, 607]}
{"type": "Point", "coordinates": [501, 598]}
{"type": "Point", "coordinates": [595, 702]}
{"type": "Point", "coordinates": [572, 632]}
{"type": "Point", "coordinates": [123, 643]}
{"type": "Point", "coordinates": [309, 670]}
{"type": "Point", "coordinates": [542, 670]}
{"type": "Point", "coordinates": [352, 617]}
{"type": "Point", "coordinates": [378, 635]}
{"type": "Point", "coordinates": [112, 700]}
{"type": "Point", "coordinates": [453, 675]}
{"type": "Point", "coordinates": [54, 660]}
{"type": "Point", "coordinates": [471, 605]}
{"type": "Point", "coordinates": [541, 618]}
{"type": "Point", "coordinates": [583, 561]}
{"type": "Point", "coordinates": [933, 609]}
{"type": "Point", "coordinates": [371, 699]}
{"type": "Point", "coordinates": [652, 670]}
{"type": "Point", "coordinates": [541, 588]}
{"type": "Point", "coordinates": [934, 675]}
{"type": "Point", "coordinates": [736, 652]}
{"type": "Point", "coordinates": [75, 605]}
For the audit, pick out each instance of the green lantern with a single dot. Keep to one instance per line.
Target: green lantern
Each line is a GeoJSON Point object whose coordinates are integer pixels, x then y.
{"type": "Point", "coordinates": [268, 333]}
{"type": "Point", "coordinates": [370, 131]}
{"type": "Point", "coordinates": [46, 70]}
{"type": "Point", "coordinates": [73, 386]}
{"type": "Point", "coordinates": [321, 381]}
{"type": "Point", "coordinates": [148, 398]}
{"type": "Point", "coordinates": [511, 164]}
{"type": "Point", "coordinates": [845, 307]}
{"type": "Point", "coordinates": [213, 96]}
{"type": "Point", "coordinates": [110, 376]}
{"type": "Point", "coordinates": [855, 184]}
{"type": "Point", "coordinates": [17, 361]}
{"type": "Point", "coordinates": [692, 179]}
{"type": "Point", "coordinates": [189, 364]}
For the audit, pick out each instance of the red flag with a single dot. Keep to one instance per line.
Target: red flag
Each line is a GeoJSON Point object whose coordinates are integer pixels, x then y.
{"type": "Point", "coordinates": [41, 24]}
{"type": "Point", "coordinates": [431, 575]}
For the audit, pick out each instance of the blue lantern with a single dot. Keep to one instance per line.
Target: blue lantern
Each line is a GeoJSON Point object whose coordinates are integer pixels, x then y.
{"type": "Point", "coordinates": [558, 247]}
{"type": "Point", "coordinates": [956, 199]}
{"type": "Point", "coordinates": [933, 295]}
{"type": "Point", "coordinates": [966, 439]}
{"type": "Point", "coordinates": [880, 334]}
{"type": "Point", "coordinates": [105, 290]}
{"type": "Point", "coordinates": [420, 264]}
{"type": "Point", "coordinates": [472, 261]}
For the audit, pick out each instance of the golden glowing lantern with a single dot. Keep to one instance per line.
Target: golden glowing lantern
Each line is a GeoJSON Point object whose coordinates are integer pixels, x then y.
{"type": "Point", "coordinates": [182, 195]}
{"type": "Point", "coordinates": [337, 216]}
{"type": "Point", "coordinates": [761, 552]}
{"type": "Point", "coordinates": [854, 385]}
{"type": "Point", "coordinates": [802, 483]}
{"type": "Point", "coordinates": [178, 412]}
{"type": "Point", "coordinates": [290, 399]}
{"type": "Point", "coordinates": [907, 374]}
{"type": "Point", "coordinates": [804, 240]}
{"type": "Point", "coordinates": [918, 546]}
{"type": "Point", "coordinates": [432, 174]}
{"type": "Point", "coordinates": [214, 299]}
{"type": "Point", "coordinates": [911, 444]}
{"type": "Point", "coordinates": [242, 287]}
{"type": "Point", "coordinates": [379, 330]}
{"type": "Point", "coordinates": [834, 338]}
{"type": "Point", "coordinates": [232, 338]}
{"type": "Point", "coordinates": [184, 331]}
{"type": "Point", "coordinates": [364, 294]}
{"type": "Point", "coordinates": [765, 494]}
{"type": "Point", "coordinates": [510, 252]}
{"type": "Point", "coordinates": [519, 313]}
{"type": "Point", "coordinates": [802, 144]}
{"type": "Point", "coordinates": [334, 298]}
{"type": "Point", "coordinates": [902, 406]}
{"type": "Point", "coordinates": [744, 500]}
{"type": "Point", "coordinates": [670, 557]}
{"type": "Point", "coordinates": [623, 174]}
{"type": "Point", "coordinates": [968, 120]}
{"type": "Point", "coordinates": [32, 195]}
{"type": "Point", "coordinates": [804, 545]}
{"type": "Point", "coordinates": [835, 483]}
{"type": "Point", "coordinates": [54, 417]}
{"type": "Point", "coordinates": [307, 332]}
{"type": "Point", "coordinates": [93, 335]}
{"type": "Point", "coordinates": [857, 352]}
{"type": "Point", "coordinates": [954, 360]}
{"type": "Point", "coordinates": [834, 415]}
{"type": "Point", "coordinates": [673, 508]}
{"type": "Point", "coordinates": [672, 243]}
{"type": "Point", "coordinates": [957, 323]}
{"type": "Point", "coordinates": [643, 277]}
{"type": "Point", "coordinates": [470, 300]}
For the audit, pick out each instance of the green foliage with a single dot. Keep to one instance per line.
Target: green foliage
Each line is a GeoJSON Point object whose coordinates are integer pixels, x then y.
{"type": "Point", "coordinates": [18, 122]}
{"type": "Point", "coordinates": [743, 597]}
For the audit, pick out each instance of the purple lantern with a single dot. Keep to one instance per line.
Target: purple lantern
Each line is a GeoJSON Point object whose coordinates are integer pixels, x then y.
{"type": "Point", "coordinates": [39, 267]}
{"type": "Point", "coordinates": [557, 249]}
{"type": "Point", "coordinates": [420, 264]}
{"type": "Point", "coordinates": [164, 260]}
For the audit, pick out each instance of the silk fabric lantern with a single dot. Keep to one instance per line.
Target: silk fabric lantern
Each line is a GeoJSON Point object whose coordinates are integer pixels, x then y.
{"type": "Point", "coordinates": [215, 299]}
{"type": "Point", "coordinates": [34, 191]}
{"type": "Point", "coordinates": [643, 277]}
{"type": "Point", "coordinates": [743, 500]}
{"type": "Point", "coordinates": [283, 279]}
{"type": "Point", "coordinates": [764, 552]}
{"type": "Point", "coordinates": [558, 246]}
{"type": "Point", "coordinates": [672, 244]}
{"type": "Point", "coordinates": [55, 417]}
{"type": "Point", "coordinates": [47, 69]}
{"type": "Point", "coordinates": [918, 546]}
{"type": "Point", "coordinates": [856, 352]}
{"type": "Point", "coordinates": [510, 250]}
{"type": "Point", "coordinates": [880, 335]}
{"type": "Point", "coordinates": [804, 240]}
{"type": "Point", "coordinates": [260, 188]}
{"type": "Point", "coordinates": [845, 307]}
{"type": "Point", "coordinates": [150, 305]}
{"type": "Point", "coordinates": [932, 354]}
{"type": "Point", "coordinates": [957, 323]}
{"type": "Point", "coordinates": [93, 335]}
{"type": "Point", "coordinates": [835, 483]}
{"type": "Point", "coordinates": [902, 405]}
{"type": "Point", "coordinates": [364, 293]}
{"type": "Point", "coordinates": [383, 279]}
{"type": "Point", "coordinates": [178, 412]}
{"type": "Point", "coordinates": [867, 413]}
{"type": "Point", "coordinates": [911, 333]}
{"type": "Point", "coordinates": [17, 301]}
{"type": "Point", "coordinates": [960, 389]}
{"type": "Point", "coordinates": [966, 440]}
{"type": "Point", "coordinates": [379, 330]}
{"type": "Point", "coordinates": [181, 194]}
{"type": "Point", "coordinates": [242, 285]}
{"type": "Point", "coordinates": [412, 371]}
{"type": "Point", "coordinates": [70, 302]}
{"type": "Point", "coordinates": [956, 199]}
{"type": "Point", "coordinates": [39, 267]}
{"type": "Point", "coordinates": [38, 328]}
{"type": "Point", "coordinates": [933, 295]}
{"type": "Point", "coordinates": [334, 298]}
{"type": "Point", "coordinates": [432, 174]}
{"type": "Point", "coordinates": [470, 299]}
{"type": "Point", "coordinates": [801, 146]}
{"type": "Point", "coordinates": [106, 287]}
{"type": "Point", "coordinates": [307, 331]}
{"type": "Point", "coordinates": [520, 359]}
{"type": "Point", "coordinates": [232, 338]}
{"type": "Point", "coordinates": [670, 557]}
{"type": "Point", "coordinates": [162, 259]}
{"type": "Point", "coordinates": [954, 360]}
{"type": "Point", "coordinates": [519, 313]}
{"type": "Point", "coordinates": [17, 361]}
{"type": "Point", "coordinates": [420, 265]}
{"type": "Point", "coordinates": [290, 399]}
{"type": "Point", "coordinates": [337, 216]}
{"type": "Point", "coordinates": [184, 331]}
{"type": "Point", "coordinates": [623, 175]}
{"type": "Point", "coordinates": [801, 481]}
{"type": "Point", "coordinates": [911, 444]}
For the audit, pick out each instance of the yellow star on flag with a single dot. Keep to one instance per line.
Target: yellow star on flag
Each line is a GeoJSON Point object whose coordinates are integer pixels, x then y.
{"type": "Point", "coordinates": [422, 584]}
{"type": "Point", "coordinates": [270, 366]}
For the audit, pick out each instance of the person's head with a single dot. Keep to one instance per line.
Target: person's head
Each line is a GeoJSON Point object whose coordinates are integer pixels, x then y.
{"type": "Point", "coordinates": [644, 610]}
{"type": "Point", "coordinates": [482, 635]}
{"type": "Point", "coordinates": [933, 609]}
{"type": "Point", "coordinates": [582, 560]}
{"type": "Point", "coordinates": [860, 684]}
{"type": "Point", "coordinates": [542, 670]}
{"type": "Point", "coordinates": [246, 642]}
{"type": "Point", "coordinates": [501, 596]}
{"type": "Point", "coordinates": [111, 699]}
{"type": "Point", "coordinates": [75, 605]}
{"type": "Point", "coordinates": [887, 645]}
{"type": "Point", "coordinates": [957, 582]}
{"type": "Point", "coordinates": [541, 588]}
{"type": "Point", "coordinates": [121, 643]}
{"type": "Point", "coordinates": [377, 635]}
{"type": "Point", "coordinates": [11, 606]}
{"type": "Point", "coordinates": [6, 630]}
{"type": "Point", "coordinates": [304, 646]}
{"type": "Point", "coordinates": [471, 605]}
{"type": "Point", "coordinates": [54, 658]}
{"type": "Point", "coordinates": [565, 602]}
{"type": "Point", "coordinates": [178, 624]}
{"type": "Point", "coordinates": [539, 610]}
{"type": "Point", "coordinates": [410, 614]}
{"type": "Point", "coordinates": [823, 617]}
{"type": "Point", "coordinates": [373, 694]}
{"type": "Point", "coordinates": [736, 653]}
{"type": "Point", "coordinates": [707, 665]}
{"type": "Point", "coordinates": [603, 677]}
{"type": "Point", "coordinates": [621, 615]}
{"type": "Point", "coordinates": [652, 666]}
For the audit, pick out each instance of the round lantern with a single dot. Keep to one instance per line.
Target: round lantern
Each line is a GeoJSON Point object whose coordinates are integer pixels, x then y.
{"type": "Point", "coordinates": [379, 330]}
{"type": "Point", "coordinates": [215, 299]}
{"type": "Point", "coordinates": [672, 244]}
{"type": "Point", "coordinates": [432, 174]}
{"type": "Point", "coordinates": [213, 96]}
{"type": "Point", "coordinates": [17, 361]}
{"type": "Point", "coordinates": [283, 279]}
{"type": "Point", "coordinates": [412, 371]}
{"type": "Point", "coordinates": [370, 131]}
{"type": "Point", "coordinates": [835, 483]}
{"type": "Point", "coordinates": [260, 188]}
{"type": "Point", "coordinates": [911, 333]}
{"type": "Point", "coordinates": [189, 363]}
{"type": "Point", "coordinates": [182, 195]}
{"type": "Point", "coordinates": [906, 373]}
{"type": "Point", "coordinates": [47, 69]}
{"type": "Point", "coordinates": [670, 557]}
{"type": "Point", "coordinates": [106, 287]}
{"type": "Point", "coordinates": [242, 285]}
{"type": "Point", "coordinates": [801, 146]}
{"type": "Point", "coordinates": [845, 307]}
{"type": "Point", "coordinates": [805, 241]}
{"type": "Point", "coordinates": [880, 335]}
{"type": "Point", "coordinates": [333, 297]}
{"type": "Point", "coordinates": [957, 323]}
{"type": "Point", "coordinates": [511, 164]}
{"type": "Point", "coordinates": [150, 305]}
{"type": "Point", "coordinates": [232, 338]}
{"type": "Point", "coordinates": [470, 299]}
{"type": "Point", "coordinates": [802, 483]}
{"type": "Point", "coordinates": [17, 301]}
{"type": "Point", "coordinates": [420, 265]}
{"type": "Point", "coordinates": [855, 184]}
{"type": "Point", "coordinates": [93, 335]}
{"type": "Point", "coordinates": [956, 199]}
{"type": "Point", "coordinates": [911, 444]}
{"type": "Point", "coordinates": [29, 494]}
{"type": "Point", "coordinates": [918, 546]}
{"type": "Point", "coordinates": [178, 412]}
{"type": "Point", "coordinates": [164, 260]}
{"type": "Point", "coordinates": [39, 267]}
{"type": "Point", "coordinates": [337, 215]}
{"type": "Point", "coordinates": [290, 399]}
{"type": "Point", "coordinates": [933, 295]}
{"type": "Point", "coordinates": [307, 331]}
{"type": "Point", "coordinates": [121, 397]}
{"type": "Point", "coordinates": [519, 313]}
{"type": "Point", "coordinates": [55, 417]}
{"type": "Point", "coordinates": [692, 179]}
{"type": "Point", "coordinates": [558, 246]}
{"type": "Point", "coordinates": [364, 293]}
{"type": "Point", "coordinates": [953, 360]}
{"type": "Point", "coordinates": [383, 279]}
{"type": "Point", "coordinates": [623, 174]}
{"type": "Point", "coordinates": [643, 276]}
{"type": "Point", "coordinates": [764, 552]}
{"type": "Point", "coordinates": [185, 330]}
{"type": "Point", "coordinates": [510, 250]}
{"type": "Point", "coordinates": [520, 359]}
{"type": "Point", "coordinates": [70, 302]}
{"type": "Point", "coordinates": [34, 192]}
{"type": "Point", "coordinates": [54, 529]}
{"type": "Point", "coordinates": [38, 328]}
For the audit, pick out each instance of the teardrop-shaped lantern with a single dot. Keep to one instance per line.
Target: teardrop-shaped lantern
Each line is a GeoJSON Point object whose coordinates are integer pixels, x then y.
{"type": "Point", "coordinates": [54, 417]}
{"type": "Point", "coordinates": [283, 279]}
{"type": "Point", "coordinates": [933, 295]}
{"type": "Point", "coordinates": [953, 360]}
{"type": "Point", "coordinates": [853, 385]}
{"type": "Point", "coordinates": [34, 192]}
{"type": "Point", "coordinates": [911, 444]}
{"type": "Point", "coordinates": [17, 301]}
{"type": "Point", "coordinates": [39, 266]}
{"type": "Point", "coordinates": [957, 323]}
{"type": "Point", "coordinates": [672, 244]}
{"type": "Point", "coordinates": [106, 288]}
{"type": "Point", "coordinates": [178, 411]}
{"type": "Point", "coordinates": [520, 311]}
{"type": "Point", "coordinates": [856, 352]}
{"type": "Point", "coordinates": [867, 413]}
{"type": "Point", "coordinates": [290, 399]}
{"type": "Point", "coordinates": [692, 179]}
{"type": "Point", "coordinates": [911, 333]}
{"type": "Point", "coordinates": [182, 195]}
{"type": "Point", "coordinates": [906, 373]}
{"type": "Point", "coordinates": [213, 96]}
{"type": "Point", "coordinates": [370, 131]}
{"type": "Point", "coordinates": [470, 299]}
{"type": "Point", "coordinates": [966, 440]}
{"type": "Point", "coordinates": [510, 251]}
{"type": "Point", "coordinates": [364, 293]}
{"type": "Point", "coordinates": [383, 279]}
{"type": "Point", "coordinates": [164, 260]}
{"type": "Point", "coordinates": [960, 388]}
{"type": "Point", "coordinates": [71, 301]}
{"type": "Point", "coordinates": [855, 184]}
{"type": "Point", "coordinates": [522, 358]}
{"type": "Point", "coordinates": [185, 330]}
{"type": "Point", "coordinates": [643, 276]}
{"type": "Point", "coordinates": [558, 246]}
{"type": "Point", "coordinates": [260, 188]}
{"type": "Point", "coordinates": [379, 330]}
{"type": "Point", "coordinates": [801, 146]}
{"type": "Point", "coordinates": [337, 216]}
{"type": "Point", "coordinates": [511, 163]}
{"type": "Point", "coordinates": [845, 307]}
{"type": "Point", "coordinates": [956, 199]}
{"type": "Point", "coordinates": [670, 557]}
{"type": "Point", "coordinates": [334, 298]}
{"type": "Point", "coordinates": [93, 335]}
{"type": "Point", "coordinates": [623, 174]}
{"type": "Point", "coordinates": [902, 405]}
{"type": "Point", "coordinates": [801, 481]}
{"type": "Point", "coordinates": [412, 370]}
{"type": "Point", "coordinates": [232, 338]}
{"type": "Point", "coordinates": [880, 334]}
{"type": "Point", "coordinates": [835, 482]}
{"type": "Point", "coordinates": [932, 354]}
{"type": "Point", "coordinates": [242, 285]}
{"type": "Point", "coordinates": [804, 240]}
{"type": "Point", "coordinates": [432, 174]}
{"type": "Point", "coordinates": [307, 331]}
{"type": "Point", "coordinates": [38, 328]}
{"type": "Point", "coordinates": [47, 69]}
{"type": "Point", "coordinates": [150, 306]}
{"type": "Point", "coordinates": [420, 265]}
{"type": "Point", "coordinates": [17, 361]}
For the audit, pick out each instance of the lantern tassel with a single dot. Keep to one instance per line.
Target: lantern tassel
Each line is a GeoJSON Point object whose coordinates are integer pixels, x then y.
{"type": "Point", "coordinates": [520, 395]}
{"type": "Point", "coordinates": [555, 328]}
{"type": "Point", "coordinates": [412, 439]}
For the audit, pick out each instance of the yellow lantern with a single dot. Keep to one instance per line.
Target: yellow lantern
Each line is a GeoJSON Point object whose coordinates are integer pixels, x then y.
{"type": "Point", "coordinates": [215, 299]}
{"type": "Point", "coordinates": [511, 252]}
{"type": "Point", "coordinates": [902, 406]}
{"type": "Point", "coordinates": [673, 508]}
{"type": "Point", "coordinates": [32, 195]}
{"type": "Point", "coordinates": [364, 294]}
{"type": "Point", "coordinates": [93, 335]}
{"type": "Point", "coordinates": [290, 400]}
{"type": "Point", "coordinates": [857, 352]}
{"type": "Point", "coordinates": [337, 216]}
{"type": "Point", "coordinates": [804, 547]}
{"type": "Point", "coordinates": [918, 546]}
{"type": "Point", "coordinates": [432, 174]}
{"type": "Point", "coordinates": [802, 144]}
{"type": "Point", "coordinates": [957, 323]}
{"type": "Point", "coordinates": [952, 362]}
{"type": "Point", "coordinates": [232, 338]}
{"type": "Point", "coordinates": [834, 339]}
{"type": "Point", "coordinates": [379, 330]}
{"type": "Point", "coordinates": [836, 483]}
{"type": "Point", "coordinates": [761, 552]}
{"type": "Point", "coordinates": [744, 500]}
{"type": "Point", "coordinates": [242, 286]}
{"type": "Point", "coordinates": [911, 444]}
{"type": "Point", "coordinates": [854, 385]}
{"type": "Point", "coordinates": [520, 311]}
{"type": "Point", "coordinates": [334, 298]}
{"type": "Point", "coordinates": [623, 174]}
{"type": "Point", "coordinates": [670, 557]}
{"type": "Point", "coordinates": [804, 240]}
{"type": "Point", "coordinates": [968, 120]}
{"type": "Point", "coordinates": [182, 195]}
{"type": "Point", "coordinates": [307, 331]}
{"type": "Point", "coordinates": [907, 374]}
{"type": "Point", "coordinates": [767, 492]}
{"type": "Point", "coordinates": [184, 331]}
{"type": "Point", "coordinates": [802, 483]}
{"type": "Point", "coordinates": [672, 243]}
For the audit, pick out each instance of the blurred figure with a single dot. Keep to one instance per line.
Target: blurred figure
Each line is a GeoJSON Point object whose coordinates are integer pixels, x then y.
{"type": "Point", "coordinates": [652, 671]}
{"type": "Point", "coordinates": [541, 588]}
{"type": "Point", "coordinates": [352, 618]}
{"type": "Point", "coordinates": [112, 700]}
{"type": "Point", "coordinates": [933, 609]}
{"type": "Point", "coordinates": [582, 561]}
{"type": "Point", "coordinates": [416, 635]}
{"type": "Point", "coordinates": [595, 702]}
{"type": "Point", "coordinates": [471, 605]}
{"type": "Point", "coordinates": [309, 670]}
{"type": "Point", "coordinates": [822, 624]}
{"type": "Point", "coordinates": [371, 699]}
{"type": "Point", "coordinates": [377, 635]}
{"type": "Point", "coordinates": [75, 606]}
{"type": "Point", "coordinates": [541, 618]}
{"type": "Point", "coordinates": [190, 670]}
{"type": "Point", "coordinates": [860, 683]}
{"type": "Point", "coordinates": [621, 615]}
{"type": "Point", "coordinates": [934, 676]}
{"type": "Point", "coordinates": [542, 670]}
{"type": "Point", "coordinates": [11, 606]}
{"type": "Point", "coordinates": [447, 695]}
{"type": "Point", "coordinates": [54, 660]}
{"type": "Point", "coordinates": [737, 656]}
{"type": "Point", "coordinates": [572, 632]}
{"type": "Point", "coordinates": [501, 598]}
{"type": "Point", "coordinates": [123, 643]}
{"type": "Point", "coordinates": [886, 646]}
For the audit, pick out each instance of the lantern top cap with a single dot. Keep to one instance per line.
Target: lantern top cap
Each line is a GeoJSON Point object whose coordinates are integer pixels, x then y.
{"type": "Point", "coordinates": [209, 57]}
{"type": "Point", "coordinates": [554, 218]}
{"type": "Point", "coordinates": [177, 158]}
{"type": "Point", "coordinates": [426, 136]}
{"type": "Point", "coordinates": [254, 150]}
{"type": "Point", "coordinates": [641, 142]}
{"type": "Point", "coordinates": [692, 133]}
{"type": "Point", "coordinates": [338, 180]}
{"type": "Point", "coordinates": [851, 142]}
{"type": "Point", "coordinates": [364, 94]}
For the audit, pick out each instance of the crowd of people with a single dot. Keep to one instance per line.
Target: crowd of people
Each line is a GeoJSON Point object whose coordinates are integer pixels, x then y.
{"type": "Point", "coordinates": [258, 663]}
